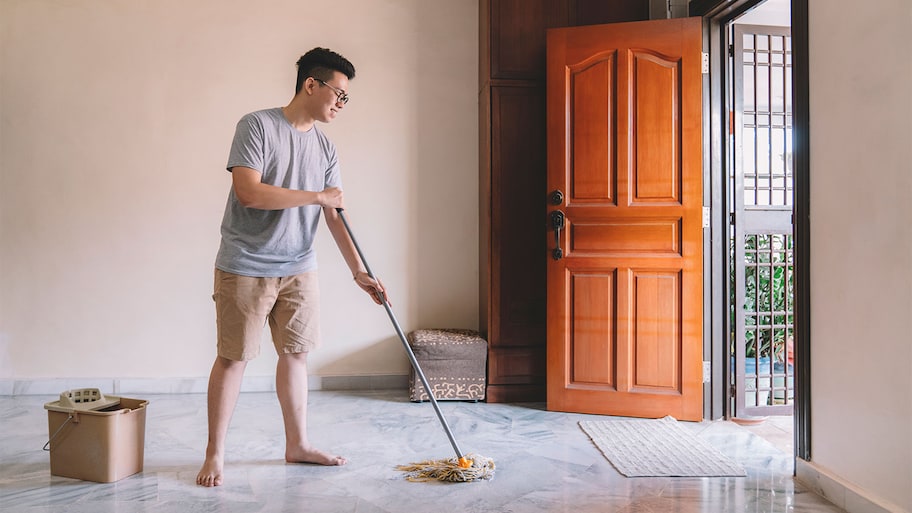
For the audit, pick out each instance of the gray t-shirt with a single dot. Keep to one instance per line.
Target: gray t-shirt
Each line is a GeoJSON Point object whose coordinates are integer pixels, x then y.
{"type": "Point", "coordinates": [273, 243]}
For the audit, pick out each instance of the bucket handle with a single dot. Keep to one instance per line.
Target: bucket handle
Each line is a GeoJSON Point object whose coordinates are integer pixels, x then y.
{"type": "Point", "coordinates": [72, 416]}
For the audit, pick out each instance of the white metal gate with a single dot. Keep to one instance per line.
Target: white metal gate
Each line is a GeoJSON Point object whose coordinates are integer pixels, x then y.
{"type": "Point", "coordinates": [762, 269]}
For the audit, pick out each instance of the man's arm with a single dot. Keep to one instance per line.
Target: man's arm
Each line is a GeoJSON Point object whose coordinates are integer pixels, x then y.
{"type": "Point", "coordinates": [370, 285]}
{"type": "Point", "coordinates": [254, 194]}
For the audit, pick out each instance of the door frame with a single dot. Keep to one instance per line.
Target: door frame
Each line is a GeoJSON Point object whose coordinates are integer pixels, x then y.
{"type": "Point", "coordinates": [716, 15]}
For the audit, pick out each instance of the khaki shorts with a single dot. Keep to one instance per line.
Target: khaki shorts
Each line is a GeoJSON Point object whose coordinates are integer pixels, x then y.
{"type": "Point", "coordinates": [243, 304]}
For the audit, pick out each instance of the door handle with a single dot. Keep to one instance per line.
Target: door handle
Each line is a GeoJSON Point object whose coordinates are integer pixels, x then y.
{"type": "Point", "coordinates": [557, 224]}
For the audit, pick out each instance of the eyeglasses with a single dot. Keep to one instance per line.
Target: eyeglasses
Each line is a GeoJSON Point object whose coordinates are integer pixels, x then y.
{"type": "Point", "coordinates": [341, 96]}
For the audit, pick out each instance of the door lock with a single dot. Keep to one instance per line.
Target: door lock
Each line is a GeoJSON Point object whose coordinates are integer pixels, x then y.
{"type": "Point", "coordinates": [557, 197]}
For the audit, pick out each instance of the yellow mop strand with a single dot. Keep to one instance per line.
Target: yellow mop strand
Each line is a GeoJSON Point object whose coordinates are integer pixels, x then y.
{"type": "Point", "coordinates": [473, 468]}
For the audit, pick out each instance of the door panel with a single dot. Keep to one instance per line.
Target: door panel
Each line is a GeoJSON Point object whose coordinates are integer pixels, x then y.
{"type": "Point", "coordinates": [655, 110]}
{"type": "Point", "coordinates": [627, 237]}
{"type": "Point", "coordinates": [593, 358]}
{"type": "Point", "coordinates": [655, 319]}
{"type": "Point", "coordinates": [516, 46]}
{"type": "Point", "coordinates": [591, 88]}
{"type": "Point", "coordinates": [516, 323]}
{"type": "Point", "coordinates": [624, 146]}
{"type": "Point", "coordinates": [518, 156]}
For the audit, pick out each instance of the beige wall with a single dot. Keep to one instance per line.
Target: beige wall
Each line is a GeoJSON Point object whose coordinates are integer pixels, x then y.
{"type": "Point", "coordinates": [116, 122]}
{"type": "Point", "coordinates": [861, 244]}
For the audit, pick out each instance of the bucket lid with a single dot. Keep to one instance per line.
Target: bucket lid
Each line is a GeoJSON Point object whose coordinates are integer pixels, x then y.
{"type": "Point", "coordinates": [82, 399]}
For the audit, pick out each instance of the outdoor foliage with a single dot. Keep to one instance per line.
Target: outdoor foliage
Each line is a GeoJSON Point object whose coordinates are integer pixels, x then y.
{"type": "Point", "coordinates": [769, 289]}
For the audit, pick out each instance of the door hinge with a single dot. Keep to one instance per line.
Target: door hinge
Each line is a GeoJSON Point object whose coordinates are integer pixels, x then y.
{"type": "Point", "coordinates": [731, 218]}
{"type": "Point", "coordinates": [707, 372]}
{"type": "Point", "coordinates": [705, 62]}
{"type": "Point", "coordinates": [706, 217]}
{"type": "Point", "coordinates": [731, 50]}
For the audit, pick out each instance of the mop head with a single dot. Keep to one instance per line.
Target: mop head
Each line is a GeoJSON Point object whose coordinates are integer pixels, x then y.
{"type": "Point", "coordinates": [473, 468]}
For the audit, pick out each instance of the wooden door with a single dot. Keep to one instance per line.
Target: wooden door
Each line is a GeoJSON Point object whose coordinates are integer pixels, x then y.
{"type": "Point", "coordinates": [625, 291]}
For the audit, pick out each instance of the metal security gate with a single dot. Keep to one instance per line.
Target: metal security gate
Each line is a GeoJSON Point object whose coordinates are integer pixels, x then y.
{"type": "Point", "coordinates": [762, 258]}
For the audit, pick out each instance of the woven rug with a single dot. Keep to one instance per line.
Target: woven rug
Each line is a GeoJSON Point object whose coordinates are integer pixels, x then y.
{"type": "Point", "coordinates": [658, 447]}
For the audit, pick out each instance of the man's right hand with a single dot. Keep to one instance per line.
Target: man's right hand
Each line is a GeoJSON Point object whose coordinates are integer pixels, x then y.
{"type": "Point", "coordinates": [331, 197]}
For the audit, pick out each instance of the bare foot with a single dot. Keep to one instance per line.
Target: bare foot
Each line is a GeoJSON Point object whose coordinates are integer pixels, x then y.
{"type": "Point", "coordinates": [211, 473]}
{"type": "Point", "coordinates": [311, 455]}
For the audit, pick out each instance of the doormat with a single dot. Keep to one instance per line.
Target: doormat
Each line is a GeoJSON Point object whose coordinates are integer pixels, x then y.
{"type": "Point", "coordinates": [658, 448]}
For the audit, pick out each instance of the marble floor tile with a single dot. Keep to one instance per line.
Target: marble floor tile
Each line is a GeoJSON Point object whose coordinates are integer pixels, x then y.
{"type": "Point", "coordinates": [545, 463]}
{"type": "Point", "coordinates": [778, 430]}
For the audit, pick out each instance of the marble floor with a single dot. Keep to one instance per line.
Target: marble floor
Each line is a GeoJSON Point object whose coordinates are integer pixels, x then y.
{"type": "Point", "coordinates": [778, 430]}
{"type": "Point", "coordinates": [545, 463]}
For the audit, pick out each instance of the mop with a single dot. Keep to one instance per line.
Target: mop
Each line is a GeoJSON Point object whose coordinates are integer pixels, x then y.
{"type": "Point", "coordinates": [462, 468]}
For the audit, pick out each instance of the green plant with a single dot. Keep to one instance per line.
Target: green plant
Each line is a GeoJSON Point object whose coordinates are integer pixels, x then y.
{"type": "Point", "coordinates": [768, 293]}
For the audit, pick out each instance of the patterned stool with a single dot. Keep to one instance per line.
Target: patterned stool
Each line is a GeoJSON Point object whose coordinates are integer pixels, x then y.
{"type": "Point", "coordinates": [453, 361]}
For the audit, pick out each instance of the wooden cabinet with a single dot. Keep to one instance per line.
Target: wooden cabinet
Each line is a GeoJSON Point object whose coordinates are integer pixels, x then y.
{"type": "Point", "coordinates": [512, 171]}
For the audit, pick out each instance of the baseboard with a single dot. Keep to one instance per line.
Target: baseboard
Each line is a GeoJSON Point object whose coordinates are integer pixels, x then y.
{"type": "Point", "coordinates": [197, 385]}
{"type": "Point", "coordinates": [840, 492]}
{"type": "Point", "coordinates": [515, 393]}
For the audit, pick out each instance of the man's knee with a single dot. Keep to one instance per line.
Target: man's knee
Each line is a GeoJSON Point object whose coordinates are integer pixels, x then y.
{"type": "Point", "coordinates": [228, 364]}
{"type": "Point", "coordinates": [294, 357]}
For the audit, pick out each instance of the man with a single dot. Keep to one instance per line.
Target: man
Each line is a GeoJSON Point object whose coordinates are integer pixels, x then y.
{"type": "Point", "coordinates": [284, 174]}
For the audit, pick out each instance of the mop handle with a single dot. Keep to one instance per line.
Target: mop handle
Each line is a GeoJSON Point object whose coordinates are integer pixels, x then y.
{"type": "Point", "coordinates": [405, 344]}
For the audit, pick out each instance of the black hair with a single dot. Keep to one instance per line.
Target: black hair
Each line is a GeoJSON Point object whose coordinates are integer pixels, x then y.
{"type": "Point", "coordinates": [320, 63]}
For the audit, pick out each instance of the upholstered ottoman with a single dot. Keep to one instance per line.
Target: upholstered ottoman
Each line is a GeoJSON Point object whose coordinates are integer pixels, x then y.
{"type": "Point", "coordinates": [453, 361]}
